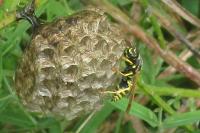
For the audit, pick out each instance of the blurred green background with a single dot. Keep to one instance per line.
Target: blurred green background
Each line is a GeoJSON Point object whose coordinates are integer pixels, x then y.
{"type": "Point", "coordinates": [164, 102]}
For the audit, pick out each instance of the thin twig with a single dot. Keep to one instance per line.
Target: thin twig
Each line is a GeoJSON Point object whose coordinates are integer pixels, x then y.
{"type": "Point", "coordinates": [167, 24]}
{"type": "Point", "coordinates": [184, 54]}
{"type": "Point", "coordinates": [174, 6]}
{"type": "Point", "coordinates": [136, 11]}
{"type": "Point", "coordinates": [187, 43]}
{"type": "Point", "coordinates": [170, 70]}
{"type": "Point", "coordinates": [190, 36]}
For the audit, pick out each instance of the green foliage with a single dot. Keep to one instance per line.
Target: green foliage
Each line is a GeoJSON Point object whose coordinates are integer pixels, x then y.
{"type": "Point", "coordinates": [192, 6]}
{"type": "Point", "coordinates": [15, 36]}
{"type": "Point", "coordinates": [181, 119]}
{"type": "Point", "coordinates": [98, 119]}
{"type": "Point", "coordinates": [139, 111]}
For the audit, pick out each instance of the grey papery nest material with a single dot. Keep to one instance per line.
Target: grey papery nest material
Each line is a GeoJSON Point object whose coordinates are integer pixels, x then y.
{"type": "Point", "coordinates": [67, 64]}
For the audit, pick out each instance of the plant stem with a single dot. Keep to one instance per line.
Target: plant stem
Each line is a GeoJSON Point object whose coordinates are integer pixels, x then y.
{"type": "Point", "coordinates": [171, 91]}
{"type": "Point", "coordinates": [156, 98]}
{"type": "Point", "coordinates": [155, 25]}
{"type": "Point", "coordinates": [158, 31]}
{"type": "Point", "coordinates": [119, 121]}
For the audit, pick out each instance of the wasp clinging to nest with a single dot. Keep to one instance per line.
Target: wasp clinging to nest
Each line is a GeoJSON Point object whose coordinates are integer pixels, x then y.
{"type": "Point", "coordinates": [133, 63]}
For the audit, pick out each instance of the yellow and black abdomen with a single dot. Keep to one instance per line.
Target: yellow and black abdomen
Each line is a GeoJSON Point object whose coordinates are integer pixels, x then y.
{"type": "Point", "coordinates": [122, 89]}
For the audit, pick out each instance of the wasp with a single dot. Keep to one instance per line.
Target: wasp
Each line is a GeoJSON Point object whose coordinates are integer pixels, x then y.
{"type": "Point", "coordinates": [129, 74]}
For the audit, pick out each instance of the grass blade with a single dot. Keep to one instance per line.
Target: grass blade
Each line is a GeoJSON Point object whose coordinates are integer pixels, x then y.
{"type": "Point", "coordinates": [181, 119]}
{"type": "Point", "coordinates": [97, 119]}
{"type": "Point", "coordinates": [138, 110]}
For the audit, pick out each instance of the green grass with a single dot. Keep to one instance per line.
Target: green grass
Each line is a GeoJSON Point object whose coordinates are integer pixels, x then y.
{"type": "Point", "coordinates": [164, 97]}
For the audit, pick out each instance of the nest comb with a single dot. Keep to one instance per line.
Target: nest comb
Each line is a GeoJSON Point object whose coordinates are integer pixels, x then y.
{"type": "Point", "coordinates": [68, 62]}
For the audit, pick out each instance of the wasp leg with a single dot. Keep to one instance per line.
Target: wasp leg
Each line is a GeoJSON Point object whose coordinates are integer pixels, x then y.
{"type": "Point", "coordinates": [118, 94]}
{"type": "Point", "coordinates": [123, 74]}
{"type": "Point", "coordinates": [127, 60]}
{"type": "Point", "coordinates": [117, 91]}
{"type": "Point", "coordinates": [116, 98]}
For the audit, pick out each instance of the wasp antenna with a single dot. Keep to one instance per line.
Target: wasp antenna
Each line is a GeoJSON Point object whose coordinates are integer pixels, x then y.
{"type": "Point", "coordinates": [28, 13]}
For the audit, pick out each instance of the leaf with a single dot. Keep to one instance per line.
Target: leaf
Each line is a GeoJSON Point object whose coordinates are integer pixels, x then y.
{"type": "Point", "coordinates": [16, 35]}
{"type": "Point", "coordinates": [63, 7]}
{"type": "Point", "coordinates": [158, 100]}
{"type": "Point", "coordinates": [128, 128]}
{"type": "Point", "coordinates": [124, 2]}
{"type": "Point", "coordinates": [4, 101]}
{"type": "Point", "coordinates": [14, 115]}
{"type": "Point", "coordinates": [149, 68]}
{"type": "Point", "coordinates": [10, 5]}
{"type": "Point", "coordinates": [1, 71]}
{"type": "Point", "coordinates": [9, 62]}
{"type": "Point", "coordinates": [121, 2]}
{"type": "Point", "coordinates": [181, 119]}
{"type": "Point", "coordinates": [119, 122]}
{"type": "Point", "coordinates": [75, 4]}
{"type": "Point", "coordinates": [51, 124]}
{"type": "Point", "coordinates": [138, 111]}
{"type": "Point", "coordinates": [192, 6]}
{"type": "Point", "coordinates": [172, 91]}
{"type": "Point", "coordinates": [97, 119]}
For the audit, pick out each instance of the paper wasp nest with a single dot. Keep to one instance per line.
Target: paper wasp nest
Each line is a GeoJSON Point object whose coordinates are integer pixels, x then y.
{"type": "Point", "coordinates": [68, 62]}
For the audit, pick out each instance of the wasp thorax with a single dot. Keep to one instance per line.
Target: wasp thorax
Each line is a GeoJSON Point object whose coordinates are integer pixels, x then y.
{"type": "Point", "coordinates": [68, 62]}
